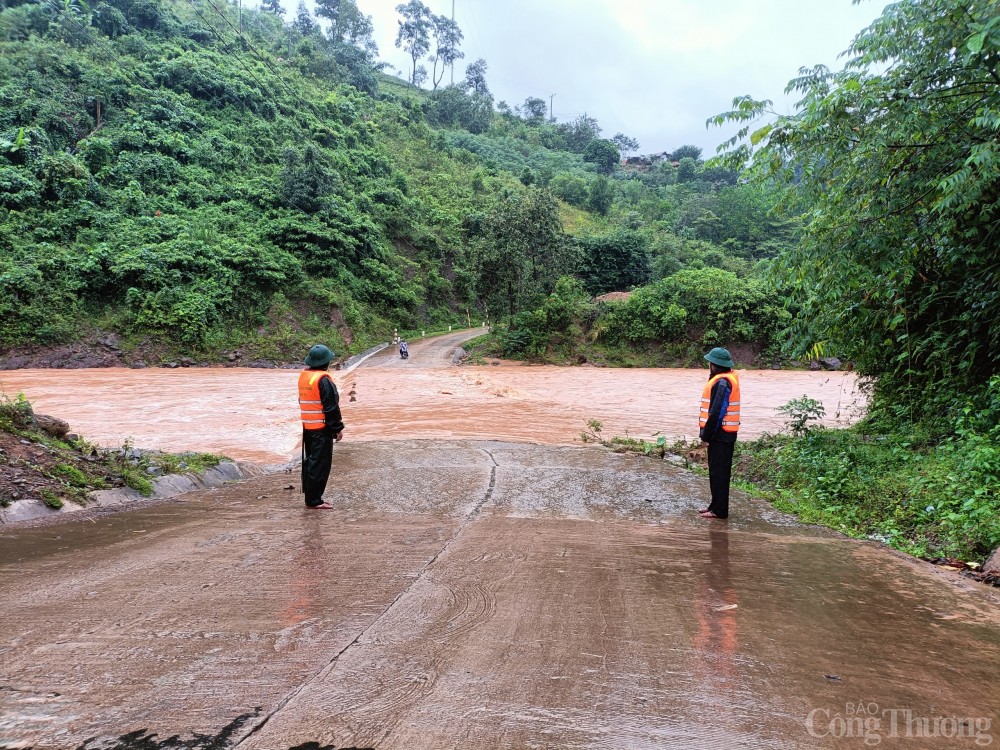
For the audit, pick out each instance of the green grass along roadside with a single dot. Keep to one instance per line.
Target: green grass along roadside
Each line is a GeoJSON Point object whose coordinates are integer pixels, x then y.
{"type": "Point", "coordinates": [57, 470]}
{"type": "Point", "coordinates": [934, 499]}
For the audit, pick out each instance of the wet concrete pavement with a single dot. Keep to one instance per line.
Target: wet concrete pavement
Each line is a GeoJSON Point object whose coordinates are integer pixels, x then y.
{"type": "Point", "coordinates": [478, 595]}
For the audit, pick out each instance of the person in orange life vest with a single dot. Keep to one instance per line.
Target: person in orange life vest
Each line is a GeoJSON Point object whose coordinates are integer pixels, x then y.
{"type": "Point", "coordinates": [718, 424]}
{"type": "Point", "coordinates": [322, 424]}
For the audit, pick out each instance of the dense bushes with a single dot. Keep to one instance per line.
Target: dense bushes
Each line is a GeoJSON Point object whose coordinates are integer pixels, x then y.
{"type": "Point", "coordinates": [617, 261]}
{"type": "Point", "coordinates": [925, 496]}
{"type": "Point", "coordinates": [705, 306]}
{"type": "Point", "coordinates": [556, 323]}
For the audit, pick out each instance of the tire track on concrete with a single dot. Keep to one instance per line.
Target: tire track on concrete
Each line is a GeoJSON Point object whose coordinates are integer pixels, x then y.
{"type": "Point", "coordinates": [325, 670]}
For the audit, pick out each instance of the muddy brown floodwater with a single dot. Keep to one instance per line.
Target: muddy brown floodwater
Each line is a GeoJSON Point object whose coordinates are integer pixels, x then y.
{"type": "Point", "coordinates": [252, 415]}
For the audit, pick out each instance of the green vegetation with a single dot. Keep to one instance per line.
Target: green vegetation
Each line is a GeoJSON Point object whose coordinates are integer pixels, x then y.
{"type": "Point", "coordinates": [165, 179]}
{"type": "Point", "coordinates": [892, 165]}
{"type": "Point", "coordinates": [894, 161]}
{"type": "Point", "coordinates": [671, 321]}
{"type": "Point", "coordinates": [15, 413]}
{"type": "Point", "coordinates": [800, 412]}
{"type": "Point", "coordinates": [51, 499]}
{"type": "Point", "coordinates": [929, 497]}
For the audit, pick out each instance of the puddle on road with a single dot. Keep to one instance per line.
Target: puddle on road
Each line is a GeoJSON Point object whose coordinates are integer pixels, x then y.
{"type": "Point", "coordinates": [252, 415]}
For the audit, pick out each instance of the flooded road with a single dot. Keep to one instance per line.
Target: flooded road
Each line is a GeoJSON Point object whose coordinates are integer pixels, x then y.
{"type": "Point", "coordinates": [468, 592]}
{"type": "Point", "coordinates": [252, 415]}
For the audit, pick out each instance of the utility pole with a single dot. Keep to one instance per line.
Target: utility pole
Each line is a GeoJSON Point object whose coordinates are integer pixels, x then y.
{"type": "Point", "coordinates": [243, 42]}
{"type": "Point", "coordinates": [552, 115]}
{"type": "Point", "coordinates": [453, 62]}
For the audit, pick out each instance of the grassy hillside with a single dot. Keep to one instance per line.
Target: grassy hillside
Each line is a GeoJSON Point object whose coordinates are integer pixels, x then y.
{"type": "Point", "coordinates": [195, 192]}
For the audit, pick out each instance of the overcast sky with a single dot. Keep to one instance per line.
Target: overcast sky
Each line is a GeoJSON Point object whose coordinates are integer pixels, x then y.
{"type": "Point", "coordinates": [652, 69]}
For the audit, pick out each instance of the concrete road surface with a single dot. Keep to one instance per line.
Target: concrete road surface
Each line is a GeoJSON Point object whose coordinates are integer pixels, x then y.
{"type": "Point", "coordinates": [434, 353]}
{"type": "Point", "coordinates": [482, 595]}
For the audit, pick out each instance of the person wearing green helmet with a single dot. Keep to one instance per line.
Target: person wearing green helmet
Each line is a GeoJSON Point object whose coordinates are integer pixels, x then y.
{"type": "Point", "coordinates": [322, 424]}
{"type": "Point", "coordinates": [718, 423]}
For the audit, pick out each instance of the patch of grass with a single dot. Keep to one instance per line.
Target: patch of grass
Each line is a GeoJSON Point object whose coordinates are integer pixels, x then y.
{"type": "Point", "coordinates": [65, 474]}
{"type": "Point", "coordinates": [134, 478]}
{"type": "Point", "coordinates": [924, 498]}
{"type": "Point", "coordinates": [52, 499]}
{"type": "Point", "coordinates": [71, 475]}
{"type": "Point", "coordinates": [180, 463]}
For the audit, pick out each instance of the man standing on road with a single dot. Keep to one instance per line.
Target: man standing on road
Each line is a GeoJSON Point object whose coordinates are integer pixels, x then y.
{"type": "Point", "coordinates": [719, 422]}
{"type": "Point", "coordinates": [322, 424]}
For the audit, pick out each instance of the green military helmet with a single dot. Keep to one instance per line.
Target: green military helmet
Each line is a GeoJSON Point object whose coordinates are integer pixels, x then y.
{"type": "Point", "coordinates": [319, 356]}
{"type": "Point", "coordinates": [719, 356]}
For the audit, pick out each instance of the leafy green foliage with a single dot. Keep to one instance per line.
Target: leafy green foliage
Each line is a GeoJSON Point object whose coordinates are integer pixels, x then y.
{"type": "Point", "coordinates": [800, 412]}
{"type": "Point", "coordinates": [156, 183]}
{"type": "Point", "coordinates": [555, 324]}
{"type": "Point", "coordinates": [708, 306]}
{"type": "Point", "coordinates": [519, 250]}
{"type": "Point", "coordinates": [894, 160]}
{"type": "Point", "coordinates": [614, 262]}
{"type": "Point", "coordinates": [925, 497]}
{"type": "Point", "coordinates": [15, 413]}
{"type": "Point", "coordinates": [603, 154]}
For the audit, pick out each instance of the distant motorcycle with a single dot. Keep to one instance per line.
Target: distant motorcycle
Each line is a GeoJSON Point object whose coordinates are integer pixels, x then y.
{"type": "Point", "coordinates": [404, 352]}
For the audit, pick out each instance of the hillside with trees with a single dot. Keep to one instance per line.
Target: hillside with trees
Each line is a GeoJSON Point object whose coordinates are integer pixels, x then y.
{"type": "Point", "coordinates": [195, 179]}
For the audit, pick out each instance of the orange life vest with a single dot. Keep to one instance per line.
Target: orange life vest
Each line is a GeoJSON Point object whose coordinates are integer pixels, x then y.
{"type": "Point", "coordinates": [310, 403]}
{"type": "Point", "coordinates": [731, 419]}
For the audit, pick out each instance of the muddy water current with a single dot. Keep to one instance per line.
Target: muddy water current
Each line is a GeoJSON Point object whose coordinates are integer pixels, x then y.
{"type": "Point", "coordinates": [251, 414]}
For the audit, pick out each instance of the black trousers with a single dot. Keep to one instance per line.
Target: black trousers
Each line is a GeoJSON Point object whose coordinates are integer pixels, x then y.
{"type": "Point", "coordinates": [317, 458]}
{"type": "Point", "coordinates": [720, 471]}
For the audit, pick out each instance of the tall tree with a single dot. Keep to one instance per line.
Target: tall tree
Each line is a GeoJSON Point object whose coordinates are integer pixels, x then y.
{"type": "Point", "coordinates": [447, 37]}
{"type": "Point", "coordinates": [521, 250]}
{"type": "Point", "coordinates": [358, 30]}
{"type": "Point", "coordinates": [274, 7]}
{"type": "Point", "coordinates": [534, 110]}
{"type": "Point", "coordinates": [475, 78]}
{"type": "Point", "coordinates": [625, 144]}
{"type": "Point", "coordinates": [330, 10]}
{"type": "Point", "coordinates": [603, 154]}
{"type": "Point", "coordinates": [686, 152]}
{"type": "Point", "coordinates": [580, 132]}
{"type": "Point", "coordinates": [348, 25]}
{"type": "Point", "coordinates": [303, 23]}
{"type": "Point", "coordinates": [601, 196]}
{"type": "Point", "coordinates": [895, 162]}
{"type": "Point", "coordinates": [414, 34]}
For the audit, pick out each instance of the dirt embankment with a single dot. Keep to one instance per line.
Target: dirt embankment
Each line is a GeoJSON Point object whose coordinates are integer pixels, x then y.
{"type": "Point", "coordinates": [45, 468]}
{"type": "Point", "coordinates": [51, 467]}
{"type": "Point", "coordinates": [106, 350]}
